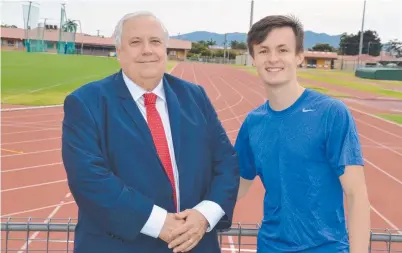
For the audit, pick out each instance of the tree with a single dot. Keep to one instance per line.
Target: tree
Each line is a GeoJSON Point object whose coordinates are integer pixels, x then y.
{"type": "Point", "coordinates": [395, 47]}
{"type": "Point", "coordinates": [8, 26]}
{"type": "Point", "coordinates": [234, 44]}
{"type": "Point", "coordinates": [199, 47]}
{"type": "Point", "coordinates": [203, 43]}
{"type": "Point", "coordinates": [323, 47]}
{"type": "Point", "coordinates": [211, 42]}
{"type": "Point", "coordinates": [349, 44]}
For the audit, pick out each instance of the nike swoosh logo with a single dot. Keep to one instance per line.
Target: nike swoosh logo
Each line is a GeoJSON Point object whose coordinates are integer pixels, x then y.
{"type": "Point", "coordinates": [307, 110]}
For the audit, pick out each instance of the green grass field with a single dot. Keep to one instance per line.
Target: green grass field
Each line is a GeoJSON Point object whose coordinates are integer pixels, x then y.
{"type": "Point", "coordinates": [352, 84]}
{"type": "Point", "coordinates": [45, 79]}
{"type": "Point", "coordinates": [331, 78]}
{"type": "Point", "coordinates": [339, 74]}
{"type": "Point", "coordinates": [397, 118]}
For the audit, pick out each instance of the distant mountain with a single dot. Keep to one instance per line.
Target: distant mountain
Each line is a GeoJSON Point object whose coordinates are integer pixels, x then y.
{"type": "Point", "coordinates": [311, 38]}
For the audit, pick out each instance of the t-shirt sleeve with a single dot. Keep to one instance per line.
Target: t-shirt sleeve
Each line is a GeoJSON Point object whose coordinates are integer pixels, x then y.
{"type": "Point", "coordinates": [343, 145]}
{"type": "Point", "coordinates": [245, 153]}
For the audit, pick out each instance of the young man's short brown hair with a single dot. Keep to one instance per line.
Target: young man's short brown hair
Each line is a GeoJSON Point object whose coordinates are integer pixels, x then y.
{"type": "Point", "coordinates": [260, 30]}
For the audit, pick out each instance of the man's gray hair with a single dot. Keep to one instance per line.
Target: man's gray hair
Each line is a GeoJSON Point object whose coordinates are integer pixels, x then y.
{"type": "Point", "coordinates": [119, 27]}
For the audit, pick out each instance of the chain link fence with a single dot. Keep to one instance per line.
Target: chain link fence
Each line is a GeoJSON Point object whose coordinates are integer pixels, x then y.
{"type": "Point", "coordinates": [57, 235]}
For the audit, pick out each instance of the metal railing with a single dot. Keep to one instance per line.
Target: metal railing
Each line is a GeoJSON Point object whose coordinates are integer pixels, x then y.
{"type": "Point", "coordinates": [57, 235]}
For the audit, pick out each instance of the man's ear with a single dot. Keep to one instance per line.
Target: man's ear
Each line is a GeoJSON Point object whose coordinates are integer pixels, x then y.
{"type": "Point", "coordinates": [117, 53]}
{"type": "Point", "coordinates": [300, 58]}
{"type": "Point", "coordinates": [252, 59]}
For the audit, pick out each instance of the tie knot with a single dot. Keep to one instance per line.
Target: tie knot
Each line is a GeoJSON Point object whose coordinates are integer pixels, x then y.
{"type": "Point", "coordinates": [150, 99]}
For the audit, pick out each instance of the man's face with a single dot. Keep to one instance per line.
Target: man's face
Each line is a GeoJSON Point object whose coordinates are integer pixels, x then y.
{"type": "Point", "coordinates": [142, 53]}
{"type": "Point", "coordinates": [276, 59]}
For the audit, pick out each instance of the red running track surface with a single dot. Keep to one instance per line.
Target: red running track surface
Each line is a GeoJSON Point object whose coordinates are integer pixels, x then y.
{"type": "Point", "coordinates": [34, 181]}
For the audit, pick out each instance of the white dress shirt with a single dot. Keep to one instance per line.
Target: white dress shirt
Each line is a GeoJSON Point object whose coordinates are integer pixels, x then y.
{"type": "Point", "coordinates": [211, 210]}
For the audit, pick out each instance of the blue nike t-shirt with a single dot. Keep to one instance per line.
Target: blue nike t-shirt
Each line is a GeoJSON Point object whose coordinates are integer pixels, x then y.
{"type": "Point", "coordinates": [299, 154]}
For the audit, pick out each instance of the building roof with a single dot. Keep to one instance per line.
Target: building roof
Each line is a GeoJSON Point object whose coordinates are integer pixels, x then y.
{"type": "Point", "coordinates": [318, 54]}
{"type": "Point", "coordinates": [369, 58]}
{"type": "Point", "coordinates": [53, 35]}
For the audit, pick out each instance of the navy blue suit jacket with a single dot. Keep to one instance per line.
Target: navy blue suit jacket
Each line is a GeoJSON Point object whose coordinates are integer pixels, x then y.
{"type": "Point", "coordinates": [114, 172]}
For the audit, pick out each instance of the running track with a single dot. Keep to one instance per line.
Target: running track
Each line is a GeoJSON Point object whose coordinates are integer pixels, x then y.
{"type": "Point", "coordinates": [34, 181]}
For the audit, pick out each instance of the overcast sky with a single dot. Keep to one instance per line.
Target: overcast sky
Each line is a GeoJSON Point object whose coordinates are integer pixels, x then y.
{"type": "Point", "coordinates": [331, 16]}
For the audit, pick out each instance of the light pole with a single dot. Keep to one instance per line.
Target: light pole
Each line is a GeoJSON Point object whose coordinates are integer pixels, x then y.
{"type": "Point", "coordinates": [248, 59]}
{"type": "Point", "coordinates": [251, 13]}
{"type": "Point", "coordinates": [82, 36]}
{"type": "Point", "coordinates": [361, 35]}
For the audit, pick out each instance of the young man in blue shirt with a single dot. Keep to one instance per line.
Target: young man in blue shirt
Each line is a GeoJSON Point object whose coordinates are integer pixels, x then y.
{"type": "Point", "coordinates": [305, 148]}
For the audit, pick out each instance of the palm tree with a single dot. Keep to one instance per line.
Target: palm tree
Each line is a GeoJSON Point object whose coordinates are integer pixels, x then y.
{"type": "Point", "coordinates": [70, 26]}
{"type": "Point", "coordinates": [69, 29]}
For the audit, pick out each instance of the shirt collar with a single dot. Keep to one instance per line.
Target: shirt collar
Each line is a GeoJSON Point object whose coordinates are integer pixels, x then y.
{"type": "Point", "coordinates": [137, 91]}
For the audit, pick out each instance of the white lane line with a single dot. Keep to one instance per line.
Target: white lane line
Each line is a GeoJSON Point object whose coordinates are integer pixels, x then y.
{"type": "Point", "coordinates": [31, 167]}
{"type": "Point", "coordinates": [31, 115]}
{"type": "Point", "coordinates": [231, 244]}
{"type": "Point", "coordinates": [380, 129]}
{"type": "Point", "coordinates": [383, 146]}
{"type": "Point", "coordinates": [30, 141]}
{"type": "Point", "coordinates": [34, 235]}
{"type": "Point", "coordinates": [33, 185]}
{"type": "Point", "coordinates": [386, 220]}
{"type": "Point", "coordinates": [32, 131]}
{"type": "Point", "coordinates": [383, 171]}
{"type": "Point", "coordinates": [34, 152]}
{"type": "Point", "coordinates": [374, 116]}
{"type": "Point", "coordinates": [35, 209]}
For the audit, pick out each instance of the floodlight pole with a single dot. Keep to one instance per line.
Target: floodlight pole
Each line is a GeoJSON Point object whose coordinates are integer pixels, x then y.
{"type": "Point", "coordinates": [250, 25]}
{"type": "Point", "coordinates": [61, 20]}
{"type": "Point", "coordinates": [29, 13]}
{"type": "Point", "coordinates": [361, 35]}
{"type": "Point", "coordinates": [251, 13]}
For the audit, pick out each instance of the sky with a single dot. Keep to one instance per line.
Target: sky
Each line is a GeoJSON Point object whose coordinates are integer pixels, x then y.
{"type": "Point", "coordinates": [221, 16]}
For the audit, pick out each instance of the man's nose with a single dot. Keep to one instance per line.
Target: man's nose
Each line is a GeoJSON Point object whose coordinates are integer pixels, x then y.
{"type": "Point", "coordinates": [147, 49]}
{"type": "Point", "coordinates": [273, 57]}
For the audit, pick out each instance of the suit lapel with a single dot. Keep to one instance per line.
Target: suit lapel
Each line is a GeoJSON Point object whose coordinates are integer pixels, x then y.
{"type": "Point", "coordinates": [174, 111]}
{"type": "Point", "coordinates": [131, 109]}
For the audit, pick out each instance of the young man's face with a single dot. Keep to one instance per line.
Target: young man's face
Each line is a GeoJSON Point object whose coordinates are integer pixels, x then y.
{"type": "Point", "coordinates": [276, 59]}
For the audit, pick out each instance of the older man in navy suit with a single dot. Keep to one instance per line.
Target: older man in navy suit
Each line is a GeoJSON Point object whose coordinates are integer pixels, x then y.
{"type": "Point", "coordinates": [148, 162]}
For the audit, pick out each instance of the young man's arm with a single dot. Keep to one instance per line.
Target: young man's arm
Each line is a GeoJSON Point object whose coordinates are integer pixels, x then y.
{"type": "Point", "coordinates": [345, 155]}
{"type": "Point", "coordinates": [244, 187]}
{"type": "Point", "coordinates": [246, 160]}
{"type": "Point", "coordinates": [354, 186]}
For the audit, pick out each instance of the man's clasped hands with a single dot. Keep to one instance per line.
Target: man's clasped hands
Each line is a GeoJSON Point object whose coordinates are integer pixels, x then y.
{"type": "Point", "coordinates": [182, 231]}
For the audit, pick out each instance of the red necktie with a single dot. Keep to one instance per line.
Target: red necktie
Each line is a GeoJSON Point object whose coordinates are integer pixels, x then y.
{"type": "Point", "coordinates": [159, 137]}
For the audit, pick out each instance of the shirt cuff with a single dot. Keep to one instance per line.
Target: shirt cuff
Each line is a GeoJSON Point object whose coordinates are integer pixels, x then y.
{"type": "Point", "coordinates": [155, 222]}
{"type": "Point", "coordinates": [211, 211]}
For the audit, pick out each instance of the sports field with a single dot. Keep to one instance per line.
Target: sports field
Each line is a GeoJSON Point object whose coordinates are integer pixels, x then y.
{"type": "Point", "coordinates": [45, 79]}
{"type": "Point", "coordinates": [34, 181]}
